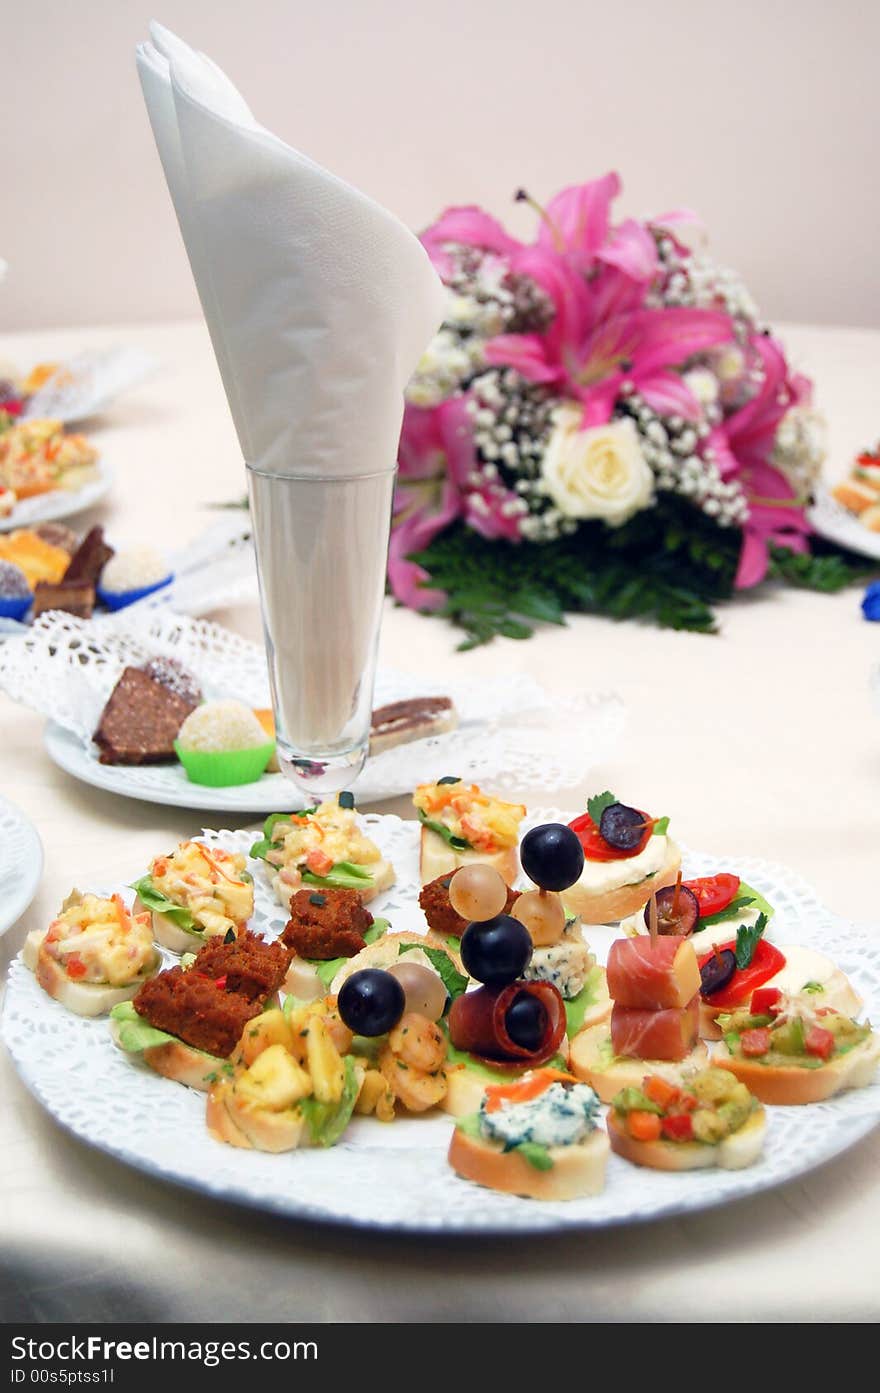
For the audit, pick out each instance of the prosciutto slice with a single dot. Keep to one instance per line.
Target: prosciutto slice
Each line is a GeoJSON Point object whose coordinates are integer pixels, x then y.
{"type": "Point", "coordinates": [653, 975]}
{"type": "Point", "coordinates": [638, 1033]}
{"type": "Point", "coordinates": [477, 1023]}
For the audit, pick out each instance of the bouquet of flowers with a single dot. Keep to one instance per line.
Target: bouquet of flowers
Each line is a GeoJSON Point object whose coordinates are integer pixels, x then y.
{"type": "Point", "coordinates": [602, 423]}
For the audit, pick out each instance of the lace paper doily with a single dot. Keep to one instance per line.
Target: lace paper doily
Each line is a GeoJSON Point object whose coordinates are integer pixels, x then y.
{"type": "Point", "coordinates": [394, 1176]}
{"type": "Point", "coordinates": [512, 734]}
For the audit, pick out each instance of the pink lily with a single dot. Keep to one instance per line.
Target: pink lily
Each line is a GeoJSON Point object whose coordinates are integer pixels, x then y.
{"type": "Point", "coordinates": [743, 445]}
{"type": "Point", "coordinates": [590, 357]}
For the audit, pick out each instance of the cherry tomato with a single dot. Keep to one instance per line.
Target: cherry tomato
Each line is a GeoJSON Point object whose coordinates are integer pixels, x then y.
{"type": "Point", "coordinates": [595, 846]}
{"type": "Point", "coordinates": [678, 1127]}
{"type": "Point", "coordinates": [819, 1041]}
{"type": "Point", "coordinates": [714, 892]}
{"type": "Point", "coordinates": [767, 961]}
{"type": "Point", "coordinates": [755, 1043]}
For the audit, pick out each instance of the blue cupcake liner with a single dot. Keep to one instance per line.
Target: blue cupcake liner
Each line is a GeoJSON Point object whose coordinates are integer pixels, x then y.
{"type": "Point", "coordinates": [115, 599]}
{"type": "Point", "coordinates": [15, 607]}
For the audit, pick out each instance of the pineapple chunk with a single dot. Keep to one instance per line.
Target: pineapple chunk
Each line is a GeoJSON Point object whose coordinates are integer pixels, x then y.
{"type": "Point", "coordinates": [274, 1081]}
{"type": "Point", "coordinates": [262, 1032]}
{"type": "Point", "coordinates": [324, 1062]}
{"type": "Point", "coordinates": [375, 1097]}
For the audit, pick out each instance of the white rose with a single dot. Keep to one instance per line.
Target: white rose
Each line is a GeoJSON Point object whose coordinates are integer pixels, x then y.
{"type": "Point", "coordinates": [703, 384]}
{"type": "Point", "coordinates": [598, 473]}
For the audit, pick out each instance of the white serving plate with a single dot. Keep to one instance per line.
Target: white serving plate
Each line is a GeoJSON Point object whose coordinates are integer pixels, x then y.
{"type": "Point", "coordinates": [395, 1176]}
{"type": "Point", "coordinates": [21, 863]}
{"type": "Point", "coordinates": [60, 503]}
{"type": "Point", "coordinates": [832, 520]}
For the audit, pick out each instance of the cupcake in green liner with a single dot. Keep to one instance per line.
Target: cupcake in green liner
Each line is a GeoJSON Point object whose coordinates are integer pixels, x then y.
{"type": "Point", "coordinates": [222, 743]}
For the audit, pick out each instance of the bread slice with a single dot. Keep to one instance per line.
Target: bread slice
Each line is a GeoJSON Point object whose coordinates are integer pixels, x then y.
{"type": "Point", "coordinates": [740, 1149]}
{"type": "Point", "coordinates": [238, 1121]}
{"type": "Point", "coordinates": [577, 1170]}
{"type": "Point", "coordinates": [609, 906]}
{"type": "Point", "coordinates": [83, 998]}
{"type": "Point", "coordinates": [437, 857]}
{"type": "Point", "coordinates": [792, 1086]}
{"type": "Point", "coordinates": [591, 1061]}
{"type": "Point", "coordinates": [178, 1061]}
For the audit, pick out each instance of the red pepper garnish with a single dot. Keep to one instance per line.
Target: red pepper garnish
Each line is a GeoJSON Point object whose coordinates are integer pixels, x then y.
{"type": "Point", "coordinates": [221, 982]}
{"type": "Point", "coordinates": [755, 1043]}
{"type": "Point", "coordinates": [819, 1041]}
{"type": "Point", "coordinates": [678, 1127]}
{"type": "Point", "coordinates": [765, 1001]}
{"type": "Point", "coordinates": [766, 962]}
{"type": "Point", "coordinates": [75, 967]}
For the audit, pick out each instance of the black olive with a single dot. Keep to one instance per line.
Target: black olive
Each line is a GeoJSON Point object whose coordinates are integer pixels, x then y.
{"type": "Point", "coordinates": [552, 856]}
{"type": "Point", "coordinates": [371, 1002]}
{"type": "Point", "coordinates": [623, 827]}
{"type": "Point", "coordinates": [526, 1021]}
{"type": "Point", "coordinates": [496, 951]}
{"type": "Point", "coordinates": [677, 911]}
{"type": "Point", "coordinates": [717, 972]}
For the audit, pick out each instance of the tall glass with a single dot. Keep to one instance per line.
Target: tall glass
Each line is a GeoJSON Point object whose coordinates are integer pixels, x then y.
{"type": "Point", "coordinates": [322, 551]}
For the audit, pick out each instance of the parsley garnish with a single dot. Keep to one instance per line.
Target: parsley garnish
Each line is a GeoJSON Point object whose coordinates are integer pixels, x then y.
{"type": "Point", "coordinates": [598, 803]}
{"type": "Point", "coordinates": [747, 939]}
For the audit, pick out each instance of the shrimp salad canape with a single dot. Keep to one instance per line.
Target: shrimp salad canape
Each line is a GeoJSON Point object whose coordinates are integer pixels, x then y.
{"type": "Point", "coordinates": [185, 1022]}
{"type": "Point", "coordinates": [323, 848]}
{"type": "Point", "coordinates": [94, 955]}
{"type": "Point", "coordinates": [292, 1082]}
{"type": "Point", "coordinates": [461, 824]}
{"type": "Point", "coordinates": [710, 1120]}
{"type": "Point", "coordinates": [628, 856]}
{"type": "Point", "coordinates": [540, 1137]}
{"type": "Point", "coordinates": [196, 893]}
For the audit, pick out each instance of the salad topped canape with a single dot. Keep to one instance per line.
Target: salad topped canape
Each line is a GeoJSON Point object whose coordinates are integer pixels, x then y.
{"type": "Point", "coordinates": [322, 847]}
{"type": "Point", "coordinates": [461, 824]}
{"type": "Point", "coordinates": [196, 893]}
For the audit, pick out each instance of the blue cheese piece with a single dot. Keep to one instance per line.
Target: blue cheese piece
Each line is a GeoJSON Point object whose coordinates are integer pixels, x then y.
{"type": "Point", "coordinates": [560, 1116]}
{"type": "Point", "coordinates": [566, 964]}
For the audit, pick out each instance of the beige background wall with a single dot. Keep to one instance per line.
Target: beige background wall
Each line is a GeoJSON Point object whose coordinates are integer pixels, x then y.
{"type": "Point", "coordinates": [763, 114]}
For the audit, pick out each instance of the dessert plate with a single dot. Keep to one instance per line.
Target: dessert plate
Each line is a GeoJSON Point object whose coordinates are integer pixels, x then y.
{"type": "Point", "coordinates": [60, 503]}
{"type": "Point", "coordinates": [511, 736]}
{"type": "Point", "coordinates": [832, 520]}
{"type": "Point", "coordinates": [394, 1176]}
{"type": "Point", "coordinates": [21, 863]}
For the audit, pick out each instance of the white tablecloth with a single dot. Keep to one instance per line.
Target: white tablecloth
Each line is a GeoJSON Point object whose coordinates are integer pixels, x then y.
{"type": "Point", "coordinates": [759, 741]}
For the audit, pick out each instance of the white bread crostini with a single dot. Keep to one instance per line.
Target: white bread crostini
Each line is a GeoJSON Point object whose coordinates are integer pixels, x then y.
{"type": "Point", "coordinates": [171, 935]}
{"type": "Point", "coordinates": [601, 906]}
{"type": "Point", "coordinates": [588, 1060]}
{"type": "Point", "coordinates": [742, 1148]}
{"type": "Point", "coordinates": [577, 1170]}
{"type": "Point", "coordinates": [794, 1086]}
{"type": "Point", "coordinates": [83, 998]}
{"type": "Point", "coordinates": [437, 857]}
{"type": "Point", "coordinates": [178, 1061]}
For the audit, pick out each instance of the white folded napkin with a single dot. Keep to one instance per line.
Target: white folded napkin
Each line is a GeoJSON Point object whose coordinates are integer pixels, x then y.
{"type": "Point", "coordinates": [319, 301]}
